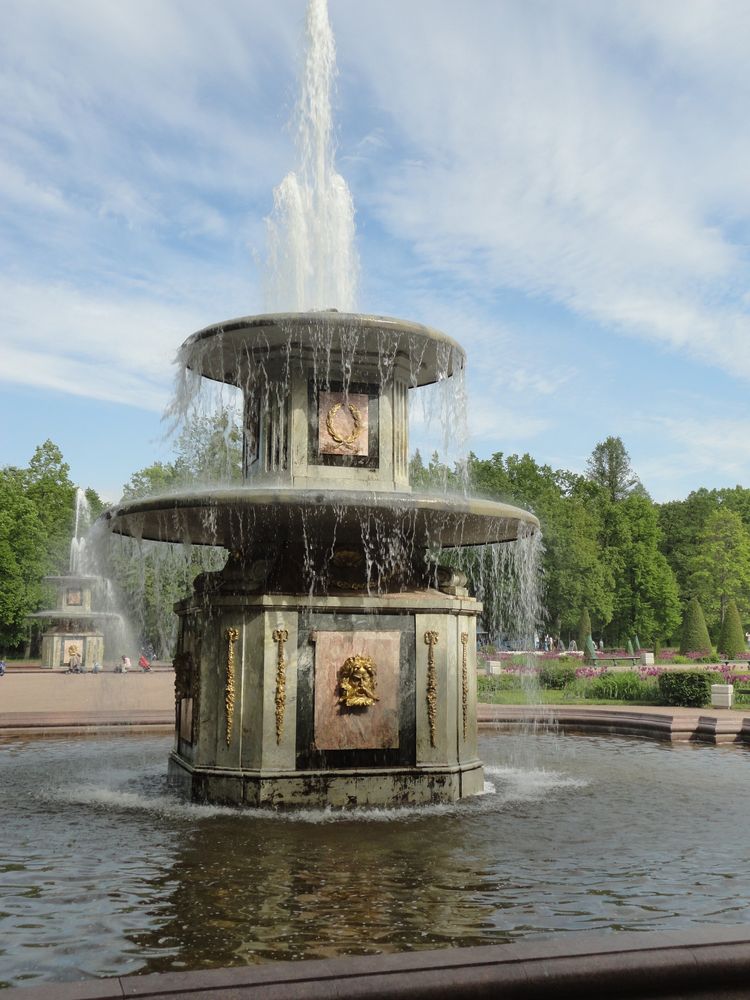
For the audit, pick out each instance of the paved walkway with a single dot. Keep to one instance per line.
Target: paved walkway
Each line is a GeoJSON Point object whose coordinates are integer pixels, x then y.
{"type": "Point", "coordinates": [39, 701]}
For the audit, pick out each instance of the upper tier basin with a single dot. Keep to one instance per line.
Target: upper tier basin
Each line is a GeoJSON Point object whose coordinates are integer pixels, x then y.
{"type": "Point", "coordinates": [326, 340]}
{"type": "Point", "coordinates": [227, 516]}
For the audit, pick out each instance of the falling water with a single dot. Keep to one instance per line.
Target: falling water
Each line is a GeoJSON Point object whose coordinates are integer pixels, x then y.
{"type": "Point", "coordinates": [312, 261]}
{"type": "Point", "coordinates": [77, 562]}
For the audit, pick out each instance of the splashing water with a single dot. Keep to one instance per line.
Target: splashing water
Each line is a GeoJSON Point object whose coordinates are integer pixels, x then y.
{"type": "Point", "coordinates": [312, 261]}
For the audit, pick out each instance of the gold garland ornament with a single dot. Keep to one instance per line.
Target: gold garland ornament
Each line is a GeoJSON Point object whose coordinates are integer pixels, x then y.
{"type": "Point", "coordinates": [346, 440]}
{"type": "Point", "coordinates": [233, 635]}
{"type": "Point", "coordinates": [464, 678]}
{"type": "Point", "coordinates": [357, 682]}
{"type": "Point", "coordinates": [280, 636]}
{"type": "Point", "coordinates": [431, 640]}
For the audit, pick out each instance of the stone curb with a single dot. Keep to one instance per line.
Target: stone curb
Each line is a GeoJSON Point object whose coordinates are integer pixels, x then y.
{"type": "Point", "coordinates": [681, 725]}
{"type": "Point", "coordinates": [700, 964]}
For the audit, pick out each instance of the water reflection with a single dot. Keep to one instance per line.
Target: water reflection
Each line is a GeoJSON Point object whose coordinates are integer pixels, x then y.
{"type": "Point", "coordinates": [104, 872]}
{"type": "Point", "coordinates": [256, 891]}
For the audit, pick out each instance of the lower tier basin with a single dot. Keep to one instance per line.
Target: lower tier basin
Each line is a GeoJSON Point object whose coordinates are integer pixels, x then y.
{"type": "Point", "coordinates": [573, 833]}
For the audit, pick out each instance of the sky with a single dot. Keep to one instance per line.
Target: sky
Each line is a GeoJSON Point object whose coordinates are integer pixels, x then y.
{"type": "Point", "coordinates": [562, 186]}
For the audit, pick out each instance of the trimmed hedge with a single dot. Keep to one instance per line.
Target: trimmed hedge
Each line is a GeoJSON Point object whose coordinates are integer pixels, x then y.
{"type": "Point", "coordinates": [685, 688]}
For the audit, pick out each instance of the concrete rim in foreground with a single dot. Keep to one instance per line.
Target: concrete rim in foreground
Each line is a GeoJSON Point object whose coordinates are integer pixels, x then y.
{"type": "Point", "coordinates": [705, 963]}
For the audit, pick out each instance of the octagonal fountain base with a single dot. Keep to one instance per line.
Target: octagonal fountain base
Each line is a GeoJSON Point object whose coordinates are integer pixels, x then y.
{"type": "Point", "coordinates": [326, 789]}
{"type": "Point", "coordinates": [326, 700]}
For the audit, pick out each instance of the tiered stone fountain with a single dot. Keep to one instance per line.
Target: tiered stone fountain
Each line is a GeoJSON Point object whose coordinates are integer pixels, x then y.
{"type": "Point", "coordinates": [332, 661]}
{"type": "Point", "coordinates": [76, 627]}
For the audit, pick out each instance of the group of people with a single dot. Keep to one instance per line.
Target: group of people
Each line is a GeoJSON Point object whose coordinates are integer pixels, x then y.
{"type": "Point", "coordinates": [125, 664]}
{"type": "Point", "coordinates": [552, 644]}
{"type": "Point", "coordinates": [75, 665]}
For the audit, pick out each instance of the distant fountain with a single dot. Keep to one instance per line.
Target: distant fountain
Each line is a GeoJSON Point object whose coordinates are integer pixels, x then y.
{"type": "Point", "coordinates": [332, 661]}
{"type": "Point", "coordinates": [83, 624]}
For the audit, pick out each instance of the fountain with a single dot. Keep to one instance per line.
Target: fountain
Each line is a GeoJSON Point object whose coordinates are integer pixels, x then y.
{"type": "Point", "coordinates": [333, 659]}
{"type": "Point", "coordinates": [78, 631]}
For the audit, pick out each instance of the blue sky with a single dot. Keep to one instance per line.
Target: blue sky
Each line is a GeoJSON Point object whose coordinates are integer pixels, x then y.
{"type": "Point", "coordinates": [562, 186]}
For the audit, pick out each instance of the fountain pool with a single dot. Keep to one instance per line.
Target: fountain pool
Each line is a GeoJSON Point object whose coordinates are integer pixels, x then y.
{"type": "Point", "coordinates": [573, 833]}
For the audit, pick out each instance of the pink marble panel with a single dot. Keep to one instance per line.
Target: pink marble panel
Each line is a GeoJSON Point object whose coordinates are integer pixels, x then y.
{"type": "Point", "coordinates": [373, 727]}
{"type": "Point", "coordinates": [345, 414]}
{"type": "Point", "coordinates": [186, 719]}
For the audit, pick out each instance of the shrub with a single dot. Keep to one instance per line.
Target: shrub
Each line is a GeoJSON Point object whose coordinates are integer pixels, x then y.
{"type": "Point", "coordinates": [625, 686]}
{"type": "Point", "coordinates": [695, 637]}
{"type": "Point", "coordinates": [731, 638]}
{"type": "Point", "coordinates": [686, 688]}
{"type": "Point", "coordinates": [556, 675]}
{"type": "Point", "coordinates": [488, 686]}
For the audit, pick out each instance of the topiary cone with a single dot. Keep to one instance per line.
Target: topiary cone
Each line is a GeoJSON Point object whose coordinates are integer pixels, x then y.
{"type": "Point", "coordinates": [731, 638]}
{"type": "Point", "coordinates": [695, 637]}
{"type": "Point", "coordinates": [584, 628]}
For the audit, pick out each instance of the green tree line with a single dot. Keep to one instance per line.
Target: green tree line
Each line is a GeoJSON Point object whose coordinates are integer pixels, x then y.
{"type": "Point", "coordinates": [610, 552]}
{"type": "Point", "coordinates": [630, 564]}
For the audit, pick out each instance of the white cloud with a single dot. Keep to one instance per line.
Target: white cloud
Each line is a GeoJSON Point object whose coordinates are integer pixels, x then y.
{"type": "Point", "coordinates": [58, 337]}
{"type": "Point", "coordinates": [708, 444]}
{"type": "Point", "coordinates": [577, 153]}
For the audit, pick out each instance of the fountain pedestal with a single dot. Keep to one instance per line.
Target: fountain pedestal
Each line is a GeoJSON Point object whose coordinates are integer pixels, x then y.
{"type": "Point", "coordinates": [282, 668]}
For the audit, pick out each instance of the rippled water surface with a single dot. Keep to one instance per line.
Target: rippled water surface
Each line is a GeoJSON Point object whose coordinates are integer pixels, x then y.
{"type": "Point", "coordinates": [103, 872]}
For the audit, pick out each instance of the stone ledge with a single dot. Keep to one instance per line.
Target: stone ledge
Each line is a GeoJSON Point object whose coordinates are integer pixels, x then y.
{"type": "Point", "coordinates": [675, 725]}
{"type": "Point", "coordinates": [706, 963]}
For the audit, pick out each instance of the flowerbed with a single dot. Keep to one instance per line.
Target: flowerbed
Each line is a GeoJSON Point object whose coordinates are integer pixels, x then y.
{"type": "Point", "coordinates": [562, 679]}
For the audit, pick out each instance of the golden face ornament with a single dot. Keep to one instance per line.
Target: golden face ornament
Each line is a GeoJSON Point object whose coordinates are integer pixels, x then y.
{"type": "Point", "coordinates": [357, 682]}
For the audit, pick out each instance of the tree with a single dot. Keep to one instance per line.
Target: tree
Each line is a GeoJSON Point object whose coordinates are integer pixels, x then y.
{"type": "Point", "coordinates": [731, 638]}
{"type": "Point", "coordinates": [609, 466]}
{"type": "Point", "coordinates": [681, 521]}
{"type": "Point", "coordinates": [575, 574]}
{"type": "Point", "coordinates": [22, 558]}
{"type": "Point", "coordinates": [161, 477]}
{"type": "Point", "coordinates": [695, 637]}
{"type": "Point", "coordinates": [646, 597]}
{"type": "Point", "coordinates": [49, 487]}
{"type": "Point", "coordinates": [584, 628]}
{"type": "Point", "coordinates": [720, 566]}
